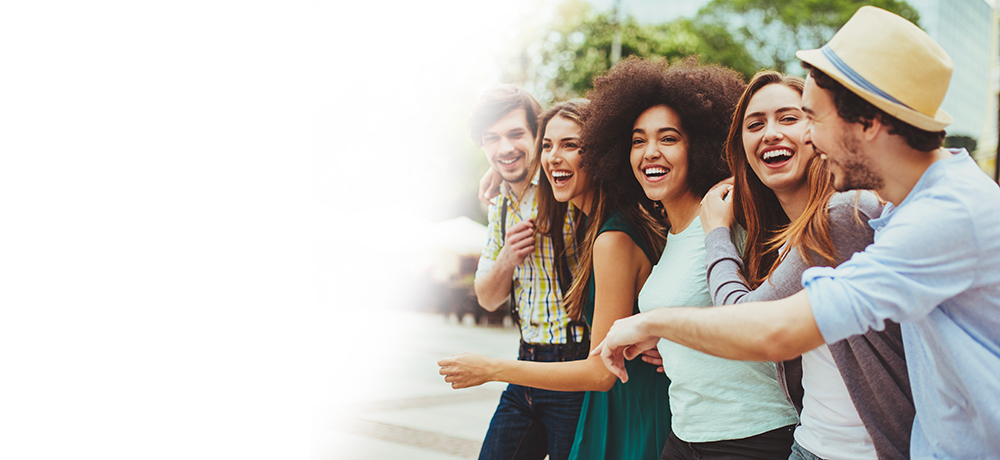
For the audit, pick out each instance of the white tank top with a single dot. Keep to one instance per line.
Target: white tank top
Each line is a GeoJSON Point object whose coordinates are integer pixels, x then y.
{"type": "Point", "coordinates": [830, 426]}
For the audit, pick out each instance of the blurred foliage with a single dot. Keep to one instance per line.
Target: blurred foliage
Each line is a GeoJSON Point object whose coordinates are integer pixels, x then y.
{"type": "Point", "coordinates": [773, 30]}
{"type": "Point", "coordinates": [965, 142]}
{"type": "Point", "coordinates": [578, 48]}
{"type": "Point", "coordinates": [558, 60]}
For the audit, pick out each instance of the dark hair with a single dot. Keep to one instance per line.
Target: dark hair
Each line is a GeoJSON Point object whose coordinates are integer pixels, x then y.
{"type": "Point", "coordinates": [853, 109]}
{"type": "Point", "coordinates": [703, 96]}
{"type": "Point", "coordinates": [495, 103]}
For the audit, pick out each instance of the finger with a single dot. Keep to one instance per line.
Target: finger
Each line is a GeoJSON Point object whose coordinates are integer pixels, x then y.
{"type": "Point", "coordinates": [660, 370]}
{"type": "Point", "coordinates": [597, 350]}
{"type": "Point", "coordinates": [630, 352]}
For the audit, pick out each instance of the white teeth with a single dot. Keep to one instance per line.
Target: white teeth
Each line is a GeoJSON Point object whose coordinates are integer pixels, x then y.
{"type": "Point", "coordinates": [507, 162]}
{"type": "Point", "coordinates": [777, 153]}
{"type": "Point", "coordinates": [655, 171]}
{"type": "Point", "coordinates": [561, 174]}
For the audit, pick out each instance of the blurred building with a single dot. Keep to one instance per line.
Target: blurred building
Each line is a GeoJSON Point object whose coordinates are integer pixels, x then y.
{"type": "Point", "coordinates": [986, 150]}
{"type": "Point", "coordinates": [964, 29]}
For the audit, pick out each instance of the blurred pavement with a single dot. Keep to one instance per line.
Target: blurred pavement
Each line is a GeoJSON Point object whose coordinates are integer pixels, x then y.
{"type": "Point", "coordinates": [383, 398]}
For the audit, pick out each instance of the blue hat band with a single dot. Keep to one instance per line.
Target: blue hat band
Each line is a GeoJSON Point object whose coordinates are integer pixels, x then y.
{"type": "Point", "coordinates": [855, 78]}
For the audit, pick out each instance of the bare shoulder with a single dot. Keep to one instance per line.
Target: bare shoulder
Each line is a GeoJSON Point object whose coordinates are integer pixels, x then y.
{"type": "Point", "coordinates": [613, 242]}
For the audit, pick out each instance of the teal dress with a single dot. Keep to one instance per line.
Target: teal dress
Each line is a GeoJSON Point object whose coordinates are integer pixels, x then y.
{"type": "Point", "coordinates": [631, 420]}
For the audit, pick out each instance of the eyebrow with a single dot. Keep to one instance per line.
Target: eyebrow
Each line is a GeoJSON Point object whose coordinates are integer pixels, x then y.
{"type": "Point", "coordinates": [780, 110]}
{"type": "Point", "coordinates": [509, 132]}
{"type": "Point", "coordinates": [661, 130]}
{"type": "Point", "coordinates": [570, 138]}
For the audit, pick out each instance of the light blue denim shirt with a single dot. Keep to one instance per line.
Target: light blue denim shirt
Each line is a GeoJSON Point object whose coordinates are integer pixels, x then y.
{"type": "Point", "coordinates": [934, 268]}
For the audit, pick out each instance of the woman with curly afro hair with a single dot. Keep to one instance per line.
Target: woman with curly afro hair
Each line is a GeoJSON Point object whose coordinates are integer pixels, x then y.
{"type": "Point", "coordinates": [656, 134]}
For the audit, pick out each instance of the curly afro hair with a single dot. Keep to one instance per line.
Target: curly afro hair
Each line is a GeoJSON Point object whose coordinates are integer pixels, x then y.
{"type": "Point", "coordinates": [704, 96]}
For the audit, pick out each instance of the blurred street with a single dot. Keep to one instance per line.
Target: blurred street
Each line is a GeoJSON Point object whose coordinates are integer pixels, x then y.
{"type": "Point", "coordinates": [380, 394]}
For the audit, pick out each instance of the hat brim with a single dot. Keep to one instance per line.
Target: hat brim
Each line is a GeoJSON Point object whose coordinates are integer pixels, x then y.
{"type": "Point", "coordinates": [912, 117]}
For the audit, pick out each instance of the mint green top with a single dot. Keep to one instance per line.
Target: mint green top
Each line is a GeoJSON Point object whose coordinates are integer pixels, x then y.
{"type": "Point", "coordinates": [712, 399]}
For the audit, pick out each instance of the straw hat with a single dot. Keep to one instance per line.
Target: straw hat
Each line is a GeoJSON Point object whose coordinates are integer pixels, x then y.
{"type": "Point", "coordinates": [890, 63]}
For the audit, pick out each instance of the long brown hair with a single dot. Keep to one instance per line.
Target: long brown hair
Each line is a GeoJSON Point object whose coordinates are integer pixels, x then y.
{"type": "Point", "coordinates": [652, 232]}
{"type": "Point", "coordinates": [756, 207]}
{"type": "Point", "coordinates": [551, 213]}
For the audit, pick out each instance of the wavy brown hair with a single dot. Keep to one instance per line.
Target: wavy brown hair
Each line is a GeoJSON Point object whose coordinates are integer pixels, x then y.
{"type": "Point", "coordinates": [552, 213]}
{"type": "Point", "coordinates": [756, 207]}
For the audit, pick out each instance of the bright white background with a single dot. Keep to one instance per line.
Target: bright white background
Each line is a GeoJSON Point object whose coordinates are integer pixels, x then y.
{"type": "Point", "coordinates": [198, 200]}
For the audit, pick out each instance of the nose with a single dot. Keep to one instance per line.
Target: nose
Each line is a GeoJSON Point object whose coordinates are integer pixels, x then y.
{"type": "Point", "coordinates": [553, 157]}
{"type": "Point", "coordinates": [505, 145]}
{"type": "Point", "coordinates": [651, 152]}
{"type": "Point", "coordinates": [772, 133]}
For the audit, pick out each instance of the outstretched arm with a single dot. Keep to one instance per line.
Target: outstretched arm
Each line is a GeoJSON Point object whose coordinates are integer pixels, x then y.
{"type": "Point", "coordinates": [618, 266]}
{"type": "Point", "coordinates": [759, 331]}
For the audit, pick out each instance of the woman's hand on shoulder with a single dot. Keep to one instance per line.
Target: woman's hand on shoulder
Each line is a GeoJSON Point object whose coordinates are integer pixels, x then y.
{"type": "Point", "coordinates": [717, 206]}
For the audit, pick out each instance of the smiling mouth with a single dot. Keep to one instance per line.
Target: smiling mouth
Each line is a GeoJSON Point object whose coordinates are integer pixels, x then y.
{"type": "Point", "coordinates": [776, 156]}
{"type": "Point", "coordinates": [561, 177]}
{"type": "Point", "coordinates": [654, 172]}
{"type": "Point", "coordinates": [508, 161]}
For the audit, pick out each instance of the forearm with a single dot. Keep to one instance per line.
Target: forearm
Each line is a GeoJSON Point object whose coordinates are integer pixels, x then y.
{"type": "Point", "coordinates": [493, 288]}
{"type": "Point", "coordinates": [759, 331]}
{"type": "Point", "coordinates": [582, 375]}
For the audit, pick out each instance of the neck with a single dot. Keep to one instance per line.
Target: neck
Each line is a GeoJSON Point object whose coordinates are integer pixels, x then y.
{"type": "Point", "coordinates": [793, 202]}
{"type": "Point", "coordinates": [518, 188]}
{"type": "Point", "coordinates": [584, 201]}
{"type": "Point", "coordinates": [681, 211]}
{"type": "Point", "coordinates": [907, 166]}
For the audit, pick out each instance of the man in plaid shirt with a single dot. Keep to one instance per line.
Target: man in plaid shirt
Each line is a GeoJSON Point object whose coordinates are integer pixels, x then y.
{"type": "Point", "coordinates": [518, 264]}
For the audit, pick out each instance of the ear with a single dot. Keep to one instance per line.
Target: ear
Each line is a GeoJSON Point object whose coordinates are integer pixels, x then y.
{"type": "Point", "coordinates": [874, 127]}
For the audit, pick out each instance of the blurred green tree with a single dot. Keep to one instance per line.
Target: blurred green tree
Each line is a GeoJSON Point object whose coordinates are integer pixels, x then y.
{"type": "Point", "coordinates": [960, 141]}
{"type": "Point", "coordinates": [773, 30]}
{"type": "Point", "coordinates": [577, 47]}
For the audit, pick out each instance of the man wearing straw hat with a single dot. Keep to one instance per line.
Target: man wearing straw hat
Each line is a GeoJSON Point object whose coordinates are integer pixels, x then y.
{"type": "Point", "coordinates": [872, 97]}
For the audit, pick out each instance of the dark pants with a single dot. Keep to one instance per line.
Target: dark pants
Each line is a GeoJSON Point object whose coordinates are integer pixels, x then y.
{"type": "Point", "coordinates": [774, 444]}
{"type": "Point", "coordinates": [530, 423]}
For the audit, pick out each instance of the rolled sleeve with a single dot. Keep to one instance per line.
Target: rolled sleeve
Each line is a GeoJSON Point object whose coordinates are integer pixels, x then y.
{"type": "Point", "coordinates": [922, 257]}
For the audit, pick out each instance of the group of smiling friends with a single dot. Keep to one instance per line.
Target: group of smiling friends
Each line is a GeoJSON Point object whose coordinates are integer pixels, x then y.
{"type": "Point", "coordinates": [706, 269]}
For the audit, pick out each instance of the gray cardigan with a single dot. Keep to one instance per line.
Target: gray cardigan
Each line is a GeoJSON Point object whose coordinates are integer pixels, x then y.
{"type": "Point", "coordinates": [872, 364]}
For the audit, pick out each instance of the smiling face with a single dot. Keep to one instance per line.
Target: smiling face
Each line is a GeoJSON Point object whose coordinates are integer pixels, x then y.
{"type": "Point", "coordinates": [560, 153]}
{"type": "Point", "coordinates": [659, 154]}
{"type": "Point", "coordinates": [507, 144]}
{"type": "Point", "coordinates": [837, 142]}
{"type": "Point", "coordinates": [772, 138]}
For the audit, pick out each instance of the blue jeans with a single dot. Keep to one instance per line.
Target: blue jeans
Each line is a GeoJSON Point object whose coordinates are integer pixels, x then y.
{"type": "Point", "coordinates": [799, 453]}
{"type": "Point", "coordinates": [529, 422]}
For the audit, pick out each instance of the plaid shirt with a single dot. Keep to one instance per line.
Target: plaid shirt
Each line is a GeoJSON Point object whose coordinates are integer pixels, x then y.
{"type": "Point", "coordinates": [536, 288]}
